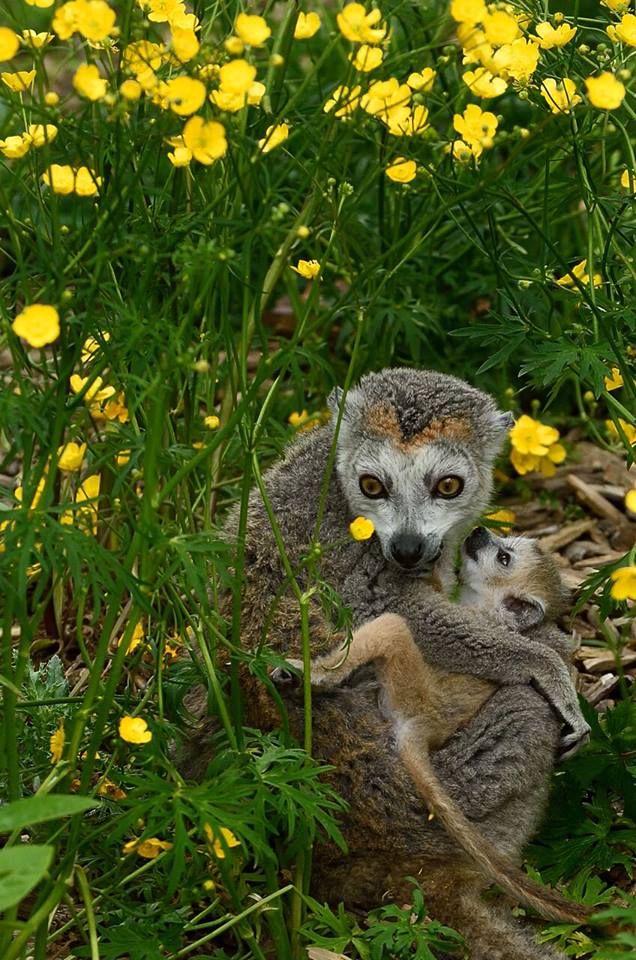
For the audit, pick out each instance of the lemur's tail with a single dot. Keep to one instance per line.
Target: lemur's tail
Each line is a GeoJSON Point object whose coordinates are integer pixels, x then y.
{"type": "Point", "coordinates": [547, 902]}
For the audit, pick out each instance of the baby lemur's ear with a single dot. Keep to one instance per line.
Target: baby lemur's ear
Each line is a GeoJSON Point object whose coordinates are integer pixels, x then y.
{"type": "Point", "coordinates": [527, 611]}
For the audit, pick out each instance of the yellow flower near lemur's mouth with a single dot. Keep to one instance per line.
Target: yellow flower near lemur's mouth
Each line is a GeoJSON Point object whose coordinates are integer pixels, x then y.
{"type": "Point", "coordinates": [361, 528]}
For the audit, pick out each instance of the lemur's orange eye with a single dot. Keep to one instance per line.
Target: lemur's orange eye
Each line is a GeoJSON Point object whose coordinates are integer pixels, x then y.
{"type": "Point", "coordinates": [449, 487]}
{"type": "Point", "coordinates": [371, 487]}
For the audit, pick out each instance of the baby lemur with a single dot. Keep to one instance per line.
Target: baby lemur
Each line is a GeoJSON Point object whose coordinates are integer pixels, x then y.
{"type": "Point", "coordinates": [510, 581]}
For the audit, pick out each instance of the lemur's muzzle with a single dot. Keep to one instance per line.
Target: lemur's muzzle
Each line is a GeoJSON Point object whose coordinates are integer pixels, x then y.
{"type": "Point", "coordinates": [410, 551]}
{"type": "Point", "coordinates": [479, 538]}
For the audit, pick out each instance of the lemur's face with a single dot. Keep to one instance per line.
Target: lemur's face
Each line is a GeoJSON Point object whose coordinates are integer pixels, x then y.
{"type": "Point", "coordinates": [418, 499]}
{"type": "Point", "coordinates": [508, 575]}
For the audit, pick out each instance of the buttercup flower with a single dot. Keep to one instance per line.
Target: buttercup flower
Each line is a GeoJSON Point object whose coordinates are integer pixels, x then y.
{"type": "Point", "coordinates": [95, 393]}
{"type": "Point", "coordinates": [367, 58]}
{"type": "Point", "coordinates": [628, 180]}
{"type": "Point", "coordinates": [605, 92]}
{"type": "Point", "coordinates": [9, 43]}
{"type": "Point", "coordinates": [35, 40]}
{"type": "Point", "coordinates": [61, 179]}
{"type": "Point", "coordinates": [138, 636]}
{"type": "Point", "coordinates": [549, 37]}
{"type": "Point", "coordinates": [303, 420]}
{"type": "Point", "coordinates": [476, 125]}
{"type": "Point", "coordinates": [614, 381]}
{"type": "Point", "coordinates": [616, 5]}
{"type": "Point", "coordinates": [185, 95]}
{"type": "Point", "coordinates": [217, 845]}
{"type": "Point", "coordinates": [134, 730]}
{"type": "Point", "coordinates": [110, 790]}
{"type": "Point", "coordinates": [401, 170]}
{"type": "Point", "coordinates": [163, 11]}
{"type": "Point", "coordinates": [463, 152]}
{"type": "Point", "coordinates": [307, 268]}
{"type": "Point", "coordinates": [343, 101]}
{"type": "Point", "coordinates": [131, 89]}
{"type": "Point", "coordinates": [41, 133]}
{"type": "Point", "coordinates": [205, 140]}
{"type": "Point", "coordinates": [626, 428]}
{"type": "Point", "coordinates": [142, 57]}
{"type": "Point", "coordinates": [237, 76]}
{"type": "Point", "coordinates": [361, 528]}
{"type": "Point", "coordinates": [38, 324]}
{"type": "Point", "coordinates": [560, 95]}
{"type": "Point", "coordinates": [500, 28]}
{"type": "Point", "coordinates": [181, 155]}
{"type": "Point", "coordinates": [383, 96]}
{"type": "Point", "coordinates": [468, 11]}
{"type": "Point", "coordinates": [18, 82]}
{"type": "Point", "coordinates": [15, 147]}
{"type": "Point", "coordinates": [40, 3]}
{"type": "Point", "coordinates": [88, 82]}
{"type": "Point", "coordinates": [532, 436]}
{"type": "Point", "coordinates": [71, 456]}
{"type": "Point", "coordinates": [212, 422]}
{"type": "Point", "coordinates": [624, 583]}
{"type": "Point", "coordinates": [357, 25]}
{"type": "Point", "coordinates": [579, 273]}
{"type": "Point", "coordinates": [503, 519]}
{"type": "Point", "coordinates": [148, 849]}
{"type": "Point", "coordinates": [87, 184]}
{"type": "Point", "coordinates": [252, 30]}
{"type": "Point", "coordinates": [630, 500]}
{"type": "Point", "coordinates": [625, 30]}
{"type": "Point", "coordinates": [274, 136]}
{"type": "Point", "coordinates": [307, 25]}
{"type": "Point", "coordinates": [483, 84]}
{"type": "Point", "coordinates": [56, 743]}
{"type": "Point", "coordinates": [423, 81]}
{"type": "Point", "coordinates": [403, 122]}
{"type": "Point", "coordinates": [93, 19]}
{"type": "Point", "coordinates": [234, 46]}
{"type": "Point", "coordinates": [185, 44]}
{"type": "Point", "coordinates": [518, 60]}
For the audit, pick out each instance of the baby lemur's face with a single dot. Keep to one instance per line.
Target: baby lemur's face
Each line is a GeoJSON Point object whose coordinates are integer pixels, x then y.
{"type": "Point", "coordinates": [511, 576]}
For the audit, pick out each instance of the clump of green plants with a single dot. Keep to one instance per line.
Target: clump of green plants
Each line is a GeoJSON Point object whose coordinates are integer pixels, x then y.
{"type": "Point", "coordinates": [212, 215]}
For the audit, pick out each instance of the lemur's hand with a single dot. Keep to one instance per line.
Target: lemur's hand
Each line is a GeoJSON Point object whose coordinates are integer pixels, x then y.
{"type": "Point", "coordinates": [572, 739]}
{"type": "Point", "coordinates": [320, 677]}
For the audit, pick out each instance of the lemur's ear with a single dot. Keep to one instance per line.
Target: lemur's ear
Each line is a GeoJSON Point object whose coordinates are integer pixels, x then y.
{"type": "Point", "coordinates": [527, 611]}
{"type": "Point", "coordinates": [334, 400]}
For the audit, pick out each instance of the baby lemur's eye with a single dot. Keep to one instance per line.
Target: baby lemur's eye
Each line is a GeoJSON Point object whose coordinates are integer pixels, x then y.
{"type": "Point", "coordinates": [372, 488]}
{"type": "Point", "coordinates": [503, 557]}
{"type": "Point", "coordinates": [449, 487]}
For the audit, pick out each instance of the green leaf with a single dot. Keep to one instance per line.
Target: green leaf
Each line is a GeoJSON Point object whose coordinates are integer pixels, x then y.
{"type": "Point", "coordinates": [21, 868]}
{"type": "Point", "coordinates": [39, 809]}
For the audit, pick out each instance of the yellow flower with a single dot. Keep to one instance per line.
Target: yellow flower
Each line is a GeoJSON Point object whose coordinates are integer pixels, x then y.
{"type": "Point", "coordinates": [627, 429]}
{"type": "Point", "coordinates": [15, 147]}
{"type": "Point", "coordinates": [91, 346]}
{"type": "Point", "coordinates": [35, 40]}
{"type": "Point", "coordinates": [205, 140]}
{"type": "Point", "coordinates": [402, 122]}
{"type": "Point", "coordinates": [61, 179]}
{"type": "Point", "coordinates": [616, 5]}
{"type": "Point", "coordinates": [503, 519]}
{"type": "Point", "coordinates": [9, 43]}
{"type": "Point", "coordinates": [274, 136]}
{"type": "Point", "coordinates": [366, 58]}
{"type": "Point", "coordinates": [483, 84]}
{"type": "Point", "coordinates": [463, 152]}
{"type": "Point", "coordinates": [110, 790]}
{"type": "Point", "coordinates": [252, 30]}
{"type": "Point", "coordinates": [624, 583]}
{"type": "Point", "coordinates": [134, 730]}
{"type": "Point", "coordinates": [217, 845]}
{"type": "Point", "coordinates": [579, 273]}
{"type": "Point", "coordinates": [237, 76]}
{"type": "Point", "coordinates": [234, 46]}
{"type": "Point", "coordinates": [605, 92]}
{"type": "Point", "coordinates": [18, 82]}
{"type": "Point", "coordinates": [357, 25]}
{"type": "Point", "coordinates": [148, 849]}
{"type": "Point", "coordinates": [476, 125]}
{"type": "Point", "coordinates": [628, 180]}
{"type": "Point", "coordinates": [500, 28]}
{"type": "Point", "coordinates": [88, 82]}
{"type": "Point", "coordinates": [51, 98]}
{"type": "Point", "coordinates": [95, 393]}
{"type": "Point", "coordinates": [306, 26]}
{"type": "Point", "coordinates": [142, 57]}
{"type": "Point", "coordinates": [518, 60]}
{"type": "Point", "coordinates": [423, 81]}
{"type": "Point", "coordinates": [532, 436]}
{"type": "Point", "coordinates": [137, 637]}
{"type": "Point", "coordinates": [185, 95]}
{"type": "Point", "coordinates": [255, 93]}
{"type": "Point", "coordinates": [93, 19]}
{"type": "Point", "coordinates": [383, 96]}
{"type": "Point", "coordinates": [37, 496]}
{"type": "Point", "coordinates": [345, 100]}
{"type": "Point", "coordinates": [185, 44]}
{"type": "Point", "coordinates": [38, 324]}
{"type": "Point", "coordinates": [549, 37]}
{"type": "Point", "coordinates": [122, 458]}
{"type": "Point", "coordinates": [624, 30]}
{"type": "Point", "coordinates": [56, 743]}
{"type": "Point", "coordinates": [614, 381]}
{"type": "Point", "coordinates": [212, 422]}
{"type": "Point", "coordinates": [303, 420]}
{"type": "Point", "coordinates": [468, 11]}
{"type": "Point", "coordinates": [41, 133]}
{"type": "Point", "coordinates": [560, 95]}
{"type": "Point", "coordinates": [40, 3]}
{"type": "Point", "coordinates": [180, 156]}
{"type": "Point", "coordinates": [116, 409]}
{"type": "Point", "coordinates": [361, 528]}
{"type": "Point", "coordinates": [162, 11]}
{"type": "Point", "coordinates": [630, 500]}
{"type": "Point", "coordinates": [130, 89]}
{"type": "Point", "coordinates": [307, 268]}
{"type": "Point", "coordinates": [71, 456]}
{"type": "Point", "coordinates": [87, 184]}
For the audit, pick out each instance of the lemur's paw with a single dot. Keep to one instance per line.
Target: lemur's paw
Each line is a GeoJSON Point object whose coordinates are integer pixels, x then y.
{"type": "Point", "coordinates": [282, 677]}
{"type": "Point", "coordinates": [573, 738]}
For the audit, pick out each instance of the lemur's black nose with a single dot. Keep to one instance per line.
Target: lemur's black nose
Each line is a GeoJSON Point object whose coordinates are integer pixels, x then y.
{"type": "Point", "coordinates": [407, 549]}
{"type": "Point", "coordinates": [478, 539]}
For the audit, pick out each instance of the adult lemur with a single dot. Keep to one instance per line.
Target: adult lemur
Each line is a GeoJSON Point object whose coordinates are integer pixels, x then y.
{"type": "Point", "coordinates": [415, 454]}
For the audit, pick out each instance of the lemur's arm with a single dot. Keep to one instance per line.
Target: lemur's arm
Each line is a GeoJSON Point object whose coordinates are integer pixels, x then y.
{"type": "Point", "coordinates": [461, 640]}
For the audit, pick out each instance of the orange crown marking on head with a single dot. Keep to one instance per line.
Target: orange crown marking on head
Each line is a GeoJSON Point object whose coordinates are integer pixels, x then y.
{"type": "Point", "coordinates": [382, 421]}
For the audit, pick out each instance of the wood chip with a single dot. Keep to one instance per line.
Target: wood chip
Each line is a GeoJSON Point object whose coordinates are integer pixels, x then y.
{"type": "Point", "coordinates": [599, 690]}
{"type": "Point", "coordinates": [596, 501]}
{"type": "Point", "coordinates": [597, 562]}
{"type": "Point", "coordinates": [604, 660]}
{"type": "Point", "coordinates": [568, 533]}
